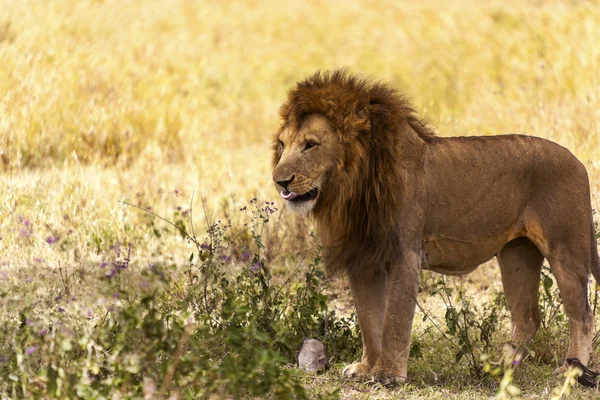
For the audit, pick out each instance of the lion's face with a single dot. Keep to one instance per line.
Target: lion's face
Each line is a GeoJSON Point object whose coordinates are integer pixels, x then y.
{"type": "Point", "coordinates": [305, 160]}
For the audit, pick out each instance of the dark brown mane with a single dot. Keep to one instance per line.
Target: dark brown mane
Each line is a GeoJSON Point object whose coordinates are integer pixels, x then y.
{"type": "Point", "coordinates": [351, 103]}
{"type": "Point", "coordinates": [379, 132]}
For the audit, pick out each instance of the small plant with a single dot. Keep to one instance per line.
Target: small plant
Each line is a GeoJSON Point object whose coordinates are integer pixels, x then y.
{"type": "Point", "coordinates": [550, 302]}
{"type": "Point", "coordinates": [249, 308]}
{"type": "Point", "coordinates": [468, 330]}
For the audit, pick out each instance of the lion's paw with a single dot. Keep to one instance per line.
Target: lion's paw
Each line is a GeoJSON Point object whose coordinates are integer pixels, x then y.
{"type": "Point", "coordinates": [386, 378]}
{"type": "Point", "coordinates": [356, 370]}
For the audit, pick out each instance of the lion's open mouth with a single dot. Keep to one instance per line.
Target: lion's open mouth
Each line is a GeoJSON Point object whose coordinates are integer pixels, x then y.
{"type": "Point", "coordinates": [298, 198]}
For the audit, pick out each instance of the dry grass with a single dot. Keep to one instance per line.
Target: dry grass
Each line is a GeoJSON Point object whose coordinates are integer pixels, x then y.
{"type": "Point", "coordinates": [148, 102]}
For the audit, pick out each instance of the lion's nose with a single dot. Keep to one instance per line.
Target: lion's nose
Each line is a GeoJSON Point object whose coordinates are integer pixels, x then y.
{"type": "Point", "coordinates": [284, 184]}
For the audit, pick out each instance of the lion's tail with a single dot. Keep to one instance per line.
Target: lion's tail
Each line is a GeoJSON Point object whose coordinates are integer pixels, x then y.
{"type": "Point", "coordinates": [595, 256]}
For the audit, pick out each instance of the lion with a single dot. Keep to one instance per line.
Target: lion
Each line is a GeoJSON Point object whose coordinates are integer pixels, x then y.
{"type": "Point", "coordinates": [391, 198]}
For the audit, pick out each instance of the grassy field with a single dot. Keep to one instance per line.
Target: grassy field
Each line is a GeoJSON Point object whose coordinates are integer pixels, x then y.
{"type": "Point", "coordinates": [170, 105]}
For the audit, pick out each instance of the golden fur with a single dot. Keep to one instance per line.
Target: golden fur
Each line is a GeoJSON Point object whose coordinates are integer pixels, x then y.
{"type": "Point", "coordinates": [391, 198]}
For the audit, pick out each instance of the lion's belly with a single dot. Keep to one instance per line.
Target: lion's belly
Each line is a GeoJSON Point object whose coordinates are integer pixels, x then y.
{"type": "Point", "coordinates": [457, 257]}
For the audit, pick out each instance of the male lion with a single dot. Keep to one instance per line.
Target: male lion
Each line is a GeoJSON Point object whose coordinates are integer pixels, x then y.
{"type": "Point", "coordinates": [391, 198]}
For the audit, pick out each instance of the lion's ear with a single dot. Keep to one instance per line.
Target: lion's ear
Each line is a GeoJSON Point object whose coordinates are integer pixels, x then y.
{"type": "Point", "coordinates": [378, 114]}
{"type": "Point", "coordinates": [362, 113]}
{"type": "Point", "coordinates": [357, 122]}
{"type": "Point", "coordinates": [363, 122]}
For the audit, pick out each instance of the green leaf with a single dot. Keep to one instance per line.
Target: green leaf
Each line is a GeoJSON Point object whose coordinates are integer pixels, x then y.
{"type": "Point", "coordinates": [459, 356]}
{"type": "Point", "coordinates": [547, 282]}
{"type": "Point", "coordinates": [415, 350]}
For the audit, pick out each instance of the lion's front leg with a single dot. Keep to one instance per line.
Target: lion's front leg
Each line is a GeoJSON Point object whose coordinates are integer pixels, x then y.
{"type": "Point", "coordinates": [403, 287]}
{"type": "Point", "coordinates": [369, 294]}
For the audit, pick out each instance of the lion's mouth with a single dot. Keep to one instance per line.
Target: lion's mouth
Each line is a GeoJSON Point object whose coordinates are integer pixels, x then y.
{"type": "Point", "coordinates": [298, 198]}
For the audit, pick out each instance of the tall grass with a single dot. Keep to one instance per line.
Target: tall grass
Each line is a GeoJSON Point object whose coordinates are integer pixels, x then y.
{"type": "Point", "coordinates": [172, 80]}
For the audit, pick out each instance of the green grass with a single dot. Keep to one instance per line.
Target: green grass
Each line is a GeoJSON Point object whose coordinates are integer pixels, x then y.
{"type": "Point", "coordinates": [162, 104]}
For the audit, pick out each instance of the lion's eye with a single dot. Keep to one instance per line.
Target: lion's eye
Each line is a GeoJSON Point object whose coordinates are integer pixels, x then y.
{"type": "Point", "coordinates": [310, 145]}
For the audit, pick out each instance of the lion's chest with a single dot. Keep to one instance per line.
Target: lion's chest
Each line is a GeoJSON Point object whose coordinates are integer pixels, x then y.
{"type": "Point", "coordinates": [453, 256]}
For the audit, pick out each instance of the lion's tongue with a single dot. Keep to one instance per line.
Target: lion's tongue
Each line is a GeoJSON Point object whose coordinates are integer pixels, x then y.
{"type": "Point", "coordinates": [288, 195]}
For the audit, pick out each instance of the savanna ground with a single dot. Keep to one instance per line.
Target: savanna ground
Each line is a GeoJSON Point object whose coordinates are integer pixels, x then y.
{"type": "Point", "coordinates": [170, 105]}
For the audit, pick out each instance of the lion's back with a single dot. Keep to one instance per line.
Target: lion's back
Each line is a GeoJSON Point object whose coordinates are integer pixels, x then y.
{"type": "Point", "coordinates": [475, 182]}
{"type": "Point", "coordinates": [519, 161]}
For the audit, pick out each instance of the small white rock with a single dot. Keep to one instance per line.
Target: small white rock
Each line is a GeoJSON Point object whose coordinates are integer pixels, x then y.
{"type": "Point", "coordinates": [312, 356]}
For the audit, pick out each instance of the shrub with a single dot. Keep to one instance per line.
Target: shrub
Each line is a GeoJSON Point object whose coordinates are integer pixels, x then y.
{"type": "Point", "coordinates": [223, 327]}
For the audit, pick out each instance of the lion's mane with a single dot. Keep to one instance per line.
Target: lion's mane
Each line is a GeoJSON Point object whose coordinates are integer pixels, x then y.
{"type": "Point", "coordinates": [377, 128]}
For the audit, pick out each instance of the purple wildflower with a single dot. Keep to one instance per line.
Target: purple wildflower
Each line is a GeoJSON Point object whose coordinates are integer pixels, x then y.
{"type": "Point", "coordinates": [256, 267]}
{"type": "Point", "coordinates": [516, 363]}
{"type": "Point", "coordinates": [27, 223]}
{"type": "Point", "coordinates": [60, 309]}
{"type": "Point", "coordinates": [28, 279]}
{"type": "Point", "coordinates": [43, 332]}
{"type": "Point", "coordinates": [205, 246]}
{"type": "Point", "coordinates": [112, 273]}
{"type": "Point", "coordinates": [30, 350]}
{"type": "Point", "coordinates": [116, 295]}
{"type": "Point", "coordinates": [247, 255]}
{"type": "Point", "coordinates": [52, 239]}
{"type": "Point", "coordinates": [25, 232]}
{"type": "Point", "coordinates": [225, 259]}
{"type": "Point", "coordinates": [28, 322]}
{"type": "Point", "coordinates": [103, 264]}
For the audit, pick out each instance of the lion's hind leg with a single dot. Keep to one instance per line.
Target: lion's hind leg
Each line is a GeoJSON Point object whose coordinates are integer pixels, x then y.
{"type": "Point", "coordinates": [570, 263]}
{"type": "Point", "coordinates": [571, 268]}
{"type": "Point", "coordinates": [520, 265]}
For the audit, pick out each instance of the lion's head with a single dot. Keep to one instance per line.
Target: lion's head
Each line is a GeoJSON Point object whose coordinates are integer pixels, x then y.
{"type": "Point", "coordinates": [339, 156]}
{"type": "Point", "coordinates": [315, 150]}
{"type": "Point", "coordinates": [307, 158]}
